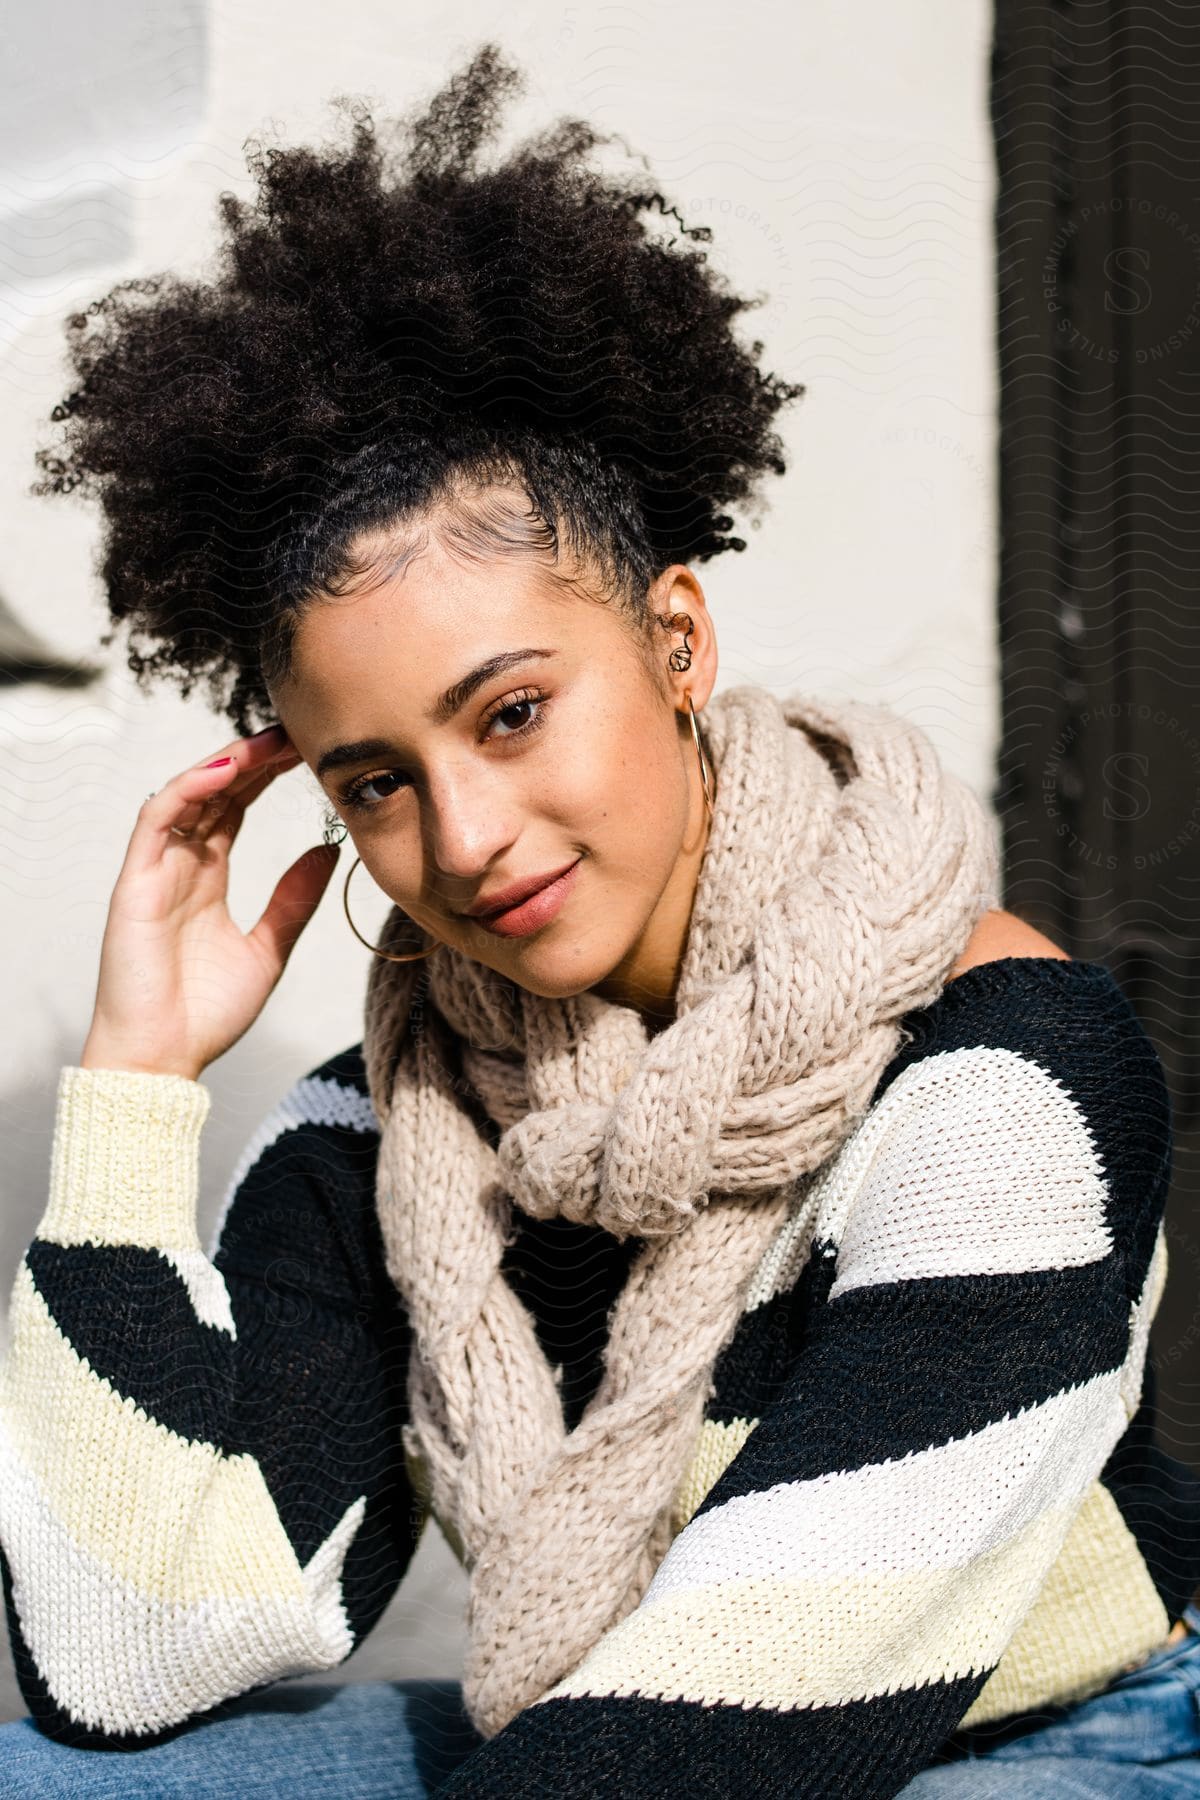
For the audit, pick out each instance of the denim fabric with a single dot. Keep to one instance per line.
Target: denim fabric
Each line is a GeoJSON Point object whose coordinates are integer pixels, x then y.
{"type": "Point", "coordinates": [1138, 1740]}
{"type": "Point", "coordinates": [372, 1740]}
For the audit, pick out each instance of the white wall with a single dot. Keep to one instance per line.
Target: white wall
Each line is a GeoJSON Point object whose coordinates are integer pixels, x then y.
{"type": "Point", "coordinates": [843, 158]}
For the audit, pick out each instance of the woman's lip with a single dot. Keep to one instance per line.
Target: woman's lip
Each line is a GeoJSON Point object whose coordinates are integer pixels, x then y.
{"type": "Point", "coordinates": [531, 914]}
{"type": "Point", "coordinates": [520, 891]}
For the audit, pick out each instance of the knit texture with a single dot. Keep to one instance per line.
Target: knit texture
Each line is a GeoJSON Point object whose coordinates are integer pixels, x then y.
{"type": "Point", "coordinates": [843, 874]}
{"type": "Point", "coordinates": [926, 1494]}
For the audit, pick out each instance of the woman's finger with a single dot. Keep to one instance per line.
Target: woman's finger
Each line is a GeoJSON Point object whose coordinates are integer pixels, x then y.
{"type": "Point", "coordinates": [195, 799]}
{"type": "Point", "coordinates": [179, 805]}
{"type": "Point", "coordinates": [295, 899]}
{"type": "Point", "coordinates": [222, 815]}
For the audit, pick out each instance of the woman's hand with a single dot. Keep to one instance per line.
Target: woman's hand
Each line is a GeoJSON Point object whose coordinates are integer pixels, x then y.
{"type": "Point", "coordinates": [179, 981]}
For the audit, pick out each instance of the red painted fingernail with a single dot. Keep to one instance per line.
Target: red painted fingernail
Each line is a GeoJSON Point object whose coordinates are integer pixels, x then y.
{"type": "Point", "coordinates": [217, 764]}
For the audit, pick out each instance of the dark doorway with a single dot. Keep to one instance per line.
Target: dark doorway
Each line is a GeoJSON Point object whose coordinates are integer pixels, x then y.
{"type": "Point", "coordinates": [1096, 115]}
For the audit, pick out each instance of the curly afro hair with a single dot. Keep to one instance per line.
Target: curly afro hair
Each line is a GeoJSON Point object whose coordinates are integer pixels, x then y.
{"type": "Point", "coordinates": [386, 330]}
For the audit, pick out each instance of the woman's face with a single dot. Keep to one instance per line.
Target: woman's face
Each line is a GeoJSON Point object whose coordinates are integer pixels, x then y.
{"type": "Point", "coordinates": [566, 756]}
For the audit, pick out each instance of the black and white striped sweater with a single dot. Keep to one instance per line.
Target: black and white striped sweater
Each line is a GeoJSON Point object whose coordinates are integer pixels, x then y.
{"type": "Point", "coordinates": [927, 1494]}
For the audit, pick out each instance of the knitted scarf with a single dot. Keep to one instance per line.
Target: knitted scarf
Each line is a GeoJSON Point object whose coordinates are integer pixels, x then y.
{"type": "Point", "coordinates": [843, 874]}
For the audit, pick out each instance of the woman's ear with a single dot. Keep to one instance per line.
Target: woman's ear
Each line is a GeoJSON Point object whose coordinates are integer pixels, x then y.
{"type": "Point", "coordinates": [688, 634]}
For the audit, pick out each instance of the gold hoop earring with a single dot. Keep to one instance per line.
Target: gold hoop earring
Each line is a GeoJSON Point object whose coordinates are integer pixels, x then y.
{"type": "Point", "coordinates": [387, 955]}
{"type": "Point", "coordinates": [705, 767]}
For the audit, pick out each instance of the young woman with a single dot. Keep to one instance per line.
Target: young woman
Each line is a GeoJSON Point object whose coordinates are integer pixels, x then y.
{"type": "Point", "coordinates": [739, 1232]}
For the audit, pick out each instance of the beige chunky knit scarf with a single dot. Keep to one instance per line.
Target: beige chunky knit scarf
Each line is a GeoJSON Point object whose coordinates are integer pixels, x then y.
{"type": "Point", "coordinates": [843, 874]}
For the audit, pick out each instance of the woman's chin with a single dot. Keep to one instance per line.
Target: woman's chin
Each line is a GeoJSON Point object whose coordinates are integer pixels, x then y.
{"type": "Point", "coordinates": [550, 986]}
{"type": "Point", "coordinates": [554, 971]}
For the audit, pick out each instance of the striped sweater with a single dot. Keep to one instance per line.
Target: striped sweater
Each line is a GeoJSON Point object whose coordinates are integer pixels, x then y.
{"type": "Point", "coordinates": [927, 1494]}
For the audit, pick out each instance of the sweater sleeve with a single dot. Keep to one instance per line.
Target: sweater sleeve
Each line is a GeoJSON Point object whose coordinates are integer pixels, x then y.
{"type": "Point", "coordinates": [202, 1486]}
{"type": "Point", "coordinates": [834, 1607]}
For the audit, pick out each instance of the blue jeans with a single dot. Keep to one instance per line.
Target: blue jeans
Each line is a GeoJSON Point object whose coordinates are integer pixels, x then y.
{"type": "Point", "coordinates": [397, 1740]}
{"type": "Point", "coordinates": [370, 1740]}
{"type": "Point", "coordinates": [1137, 1740]}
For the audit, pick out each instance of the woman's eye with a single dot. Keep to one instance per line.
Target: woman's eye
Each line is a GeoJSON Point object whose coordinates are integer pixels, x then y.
{"type": "Point", "coordinates": [519, 704]}
{"type": "Point", "coordinates": [514, 706]}
{"type": "Point", "coordinates": [356, 794]}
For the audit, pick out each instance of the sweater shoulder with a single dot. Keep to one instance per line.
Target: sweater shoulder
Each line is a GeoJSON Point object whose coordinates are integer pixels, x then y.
{"type": "Point", "coordinates": [1059, 1028]}
{"type": "Point", "coordinates": [1072, 1018]}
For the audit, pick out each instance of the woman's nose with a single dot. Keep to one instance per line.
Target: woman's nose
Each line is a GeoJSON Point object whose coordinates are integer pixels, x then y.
{"type": "Point", "coordinates": [469, 823]}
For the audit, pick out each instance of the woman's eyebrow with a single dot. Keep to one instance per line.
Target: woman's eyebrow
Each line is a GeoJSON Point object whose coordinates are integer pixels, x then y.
{"type": "Point", "coordinates": [443, 710]}
{"type": "Point", "coordinates": [457, 695]}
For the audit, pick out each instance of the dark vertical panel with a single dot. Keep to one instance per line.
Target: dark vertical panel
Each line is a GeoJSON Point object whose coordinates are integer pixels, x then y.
{"type": "Point", "coordinates": [1096, 116]}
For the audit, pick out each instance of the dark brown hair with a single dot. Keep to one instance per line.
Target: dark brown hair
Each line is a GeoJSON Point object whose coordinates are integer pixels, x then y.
{"type": "Point", "coordinates": [385, 325]}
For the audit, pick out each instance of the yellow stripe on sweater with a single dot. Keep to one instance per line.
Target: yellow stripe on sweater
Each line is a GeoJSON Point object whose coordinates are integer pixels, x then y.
{"type": "Point", "coordinates": [125, 1159]}
{"type": "Point", "coordinates": [1097, 1610]}
{"type": "Point", "coordinates": [116, 1660]}
{"type": "Point", "coordinates": [179, 1520]}
{"type": "Point", "coordinates": [789, 1643]}
{"type": "Point", "coordinates": [717, 1444]}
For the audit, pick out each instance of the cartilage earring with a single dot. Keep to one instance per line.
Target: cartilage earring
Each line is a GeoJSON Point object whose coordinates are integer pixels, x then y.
{"type": "Point", "coordinates": [681, 657]}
